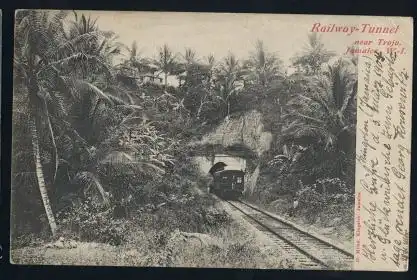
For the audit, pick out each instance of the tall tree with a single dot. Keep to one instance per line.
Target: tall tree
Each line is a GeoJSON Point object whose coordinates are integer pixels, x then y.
{"type": "Point", "coordinates": [211, 63]}
{"type": "Point", "coordinates": [325, 116]}
{"type": "Point", "coordinates": [135, 60]}
{"type": "Point", "coordinates": [313, 56]}
{"type": "Point", "coordinates": [262, 66]}
{"type": "Point", "coordinates": [228, 77]}
{"type": "Point", "coordinates": [49, 67]}
{"type": "Point", "coordinates": [198, 85]}
{"type": "Point", "coordinates": [206, 98]}
{"type": "Point", "coordinates": [166, 61]}
{"type": "Point", "coordinates": [190, 56]}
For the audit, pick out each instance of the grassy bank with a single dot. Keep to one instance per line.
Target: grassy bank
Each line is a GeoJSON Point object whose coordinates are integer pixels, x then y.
{"type": "Point", "coordinates": [333, 219]}
{"type": "Point", "coordinates": [192, 236]}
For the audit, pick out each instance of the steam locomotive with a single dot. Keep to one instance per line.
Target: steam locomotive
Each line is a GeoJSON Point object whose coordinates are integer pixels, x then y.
{"type": "Point", "coordinates": [227, 182]}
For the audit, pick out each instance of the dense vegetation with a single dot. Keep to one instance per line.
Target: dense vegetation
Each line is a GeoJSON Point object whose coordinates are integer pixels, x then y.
{"type": "Point", "coordinates": [94, 142]}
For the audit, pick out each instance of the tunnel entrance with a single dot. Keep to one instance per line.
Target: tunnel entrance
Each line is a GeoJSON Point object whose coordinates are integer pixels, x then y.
{"type": "Point", "coordinates": [217, 167]}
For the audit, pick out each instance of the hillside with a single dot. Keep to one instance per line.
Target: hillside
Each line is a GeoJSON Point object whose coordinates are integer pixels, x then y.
{"type": "Point", "coordinates": [247, 129]}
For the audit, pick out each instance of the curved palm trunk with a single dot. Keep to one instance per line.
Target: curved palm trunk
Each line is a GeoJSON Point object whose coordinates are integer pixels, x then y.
{"type": "Point", "coordinates": [40, 178]}
{"type": "Point", "coordinates": [54, 147]}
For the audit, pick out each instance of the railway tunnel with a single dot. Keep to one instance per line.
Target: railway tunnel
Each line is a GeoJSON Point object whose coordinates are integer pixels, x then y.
{"type": "Point", "coordinates": [236, 157]}
{"type": "Point", "coordinates": [208, 165]}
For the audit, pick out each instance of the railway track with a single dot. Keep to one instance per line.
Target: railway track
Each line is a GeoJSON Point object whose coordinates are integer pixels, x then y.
{"type": "Point", "coordinates": [309, 251]}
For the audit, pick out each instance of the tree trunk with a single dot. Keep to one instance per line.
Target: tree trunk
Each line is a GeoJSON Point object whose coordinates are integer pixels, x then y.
{"type": "Point", "coordinates": [51, 132]}
{"type": "Point", "coordinates": [242, 134]}
{"type": "Point", "coordinates": [200, 108]}
{"type": "Point", "coordinates": [40, 178]}
{"type": "Point", "coordinates": [166, 79]}
{"type": "Point", "coordinates": [276, 129]}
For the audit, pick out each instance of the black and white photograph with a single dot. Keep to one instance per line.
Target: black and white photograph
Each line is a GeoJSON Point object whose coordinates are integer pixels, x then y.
{"type": "Point", "coordinates": [152, 139]}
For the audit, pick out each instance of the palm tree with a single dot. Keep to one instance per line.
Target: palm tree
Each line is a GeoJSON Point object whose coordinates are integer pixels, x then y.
{"type": "Point", "coordinates": [84, 36]}
{"type": "Point", "coordinates": [289, 156]}
{"type": "Point", "coordinates": [313, 55]}
{"type": "Point", "coordinates": [190, 56]}
{"type": "Point", "coordinates": [49, 66]}
{"type": "Point", "coordinates": [211, 63]}
{"type": "Point", "coordinates": [197, 82]}
{"type": "Point", "coordinates": [189, 64]}
{"type": "Point", "coordinates": [135, 60]}
{"type": "Point", "coordinates": [166, 61]}
{"type": "Point", "coordinates": [228, 78]}
{"type": "Point", "coordinates": [262, 67]}
{"type": "Point", "coordinates": [184, 69]}
{"type": "Point", "coordinates": [205, 85]}
{"type": "Point", "coordinates": [325, 117]}
{"type": "Point", "coordinates": [82, 25]}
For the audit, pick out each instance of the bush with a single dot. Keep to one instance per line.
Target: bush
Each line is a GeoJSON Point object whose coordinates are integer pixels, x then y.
{"type": "Point", "coordinates": [163, 204]}
{"type": "Point", "coordinates": [326, 191]}
{"type": "Point", "coordinates": [186, 212]}
{"type": "Point", "coordinates": [327, 200]}
{"type": "Point", "coordinates": [326, 203]}
{"type": "Point", "coordinates": [89, 221]}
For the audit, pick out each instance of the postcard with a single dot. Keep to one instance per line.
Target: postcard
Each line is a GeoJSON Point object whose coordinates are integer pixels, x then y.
{"type": "Point", "coordinates": [211, 140]}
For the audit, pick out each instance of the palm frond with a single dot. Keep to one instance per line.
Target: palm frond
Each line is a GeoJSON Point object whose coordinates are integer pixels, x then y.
{"type": "Point", "coordinates": [90, 180]}
{"type": "Point", "coordinates": [302, 116]}
{"type": "Point", "coordinates": [76, 44]}
{"type": "Point", "coordinates": [316, 98]}
{"type": "Point", "coordinates": [85, 63]}
{"type": "Point", "coordinates": [86, 87]}
{"type": "Point", "coordinates": [58, 104]}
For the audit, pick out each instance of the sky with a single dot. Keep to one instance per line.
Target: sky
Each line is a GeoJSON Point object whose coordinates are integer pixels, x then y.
{"type": "Point", "coordinates": [218, 33]}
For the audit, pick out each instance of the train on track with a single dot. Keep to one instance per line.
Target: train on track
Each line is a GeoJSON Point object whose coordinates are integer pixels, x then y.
{"type": "Point", "coordinates": [227, 181]}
